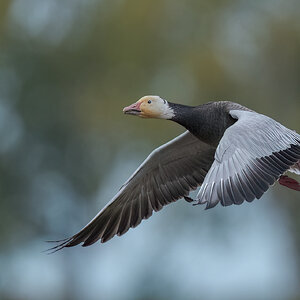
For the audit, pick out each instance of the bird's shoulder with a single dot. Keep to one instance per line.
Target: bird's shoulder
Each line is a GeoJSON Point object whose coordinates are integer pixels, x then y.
{"type": "Point", "coordinates": [223, 106]}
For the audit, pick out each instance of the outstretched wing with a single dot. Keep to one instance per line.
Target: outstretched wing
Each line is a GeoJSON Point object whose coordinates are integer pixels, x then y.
{"type": "Point", "coordinates": [169, 173]}
{"type": "Point", "coordinates": [250, 157]}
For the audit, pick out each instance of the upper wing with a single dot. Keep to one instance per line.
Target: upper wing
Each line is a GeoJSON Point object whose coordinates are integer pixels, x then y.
{"type": "Point", "coordinates": [251, 156]}
{"type": "Point", "coordinates": [168, 174]}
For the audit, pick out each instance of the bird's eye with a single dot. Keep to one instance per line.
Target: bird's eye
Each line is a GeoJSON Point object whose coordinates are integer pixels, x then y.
{"type": "Point", "coordinates": [149, 101]}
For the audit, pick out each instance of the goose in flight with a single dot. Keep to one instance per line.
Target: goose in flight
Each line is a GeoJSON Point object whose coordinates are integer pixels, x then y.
{"type": "Point", "coordinates": [232, 153]}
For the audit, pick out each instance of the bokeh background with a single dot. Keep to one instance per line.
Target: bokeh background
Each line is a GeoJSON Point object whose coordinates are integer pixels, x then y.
{"type": "Point", "coordinates": [67, 68]}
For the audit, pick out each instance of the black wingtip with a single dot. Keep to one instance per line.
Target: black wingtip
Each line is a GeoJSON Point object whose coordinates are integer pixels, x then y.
{"type": "Point", "coordinates": [62, 244]}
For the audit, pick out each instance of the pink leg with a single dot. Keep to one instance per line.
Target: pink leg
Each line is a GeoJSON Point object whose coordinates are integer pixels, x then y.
{"type": "Point", "coordinates": [289, 182]}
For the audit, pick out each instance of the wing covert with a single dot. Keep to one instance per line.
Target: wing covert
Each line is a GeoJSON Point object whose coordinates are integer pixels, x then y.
{"type": "Point", "coordinates": [250, 157]}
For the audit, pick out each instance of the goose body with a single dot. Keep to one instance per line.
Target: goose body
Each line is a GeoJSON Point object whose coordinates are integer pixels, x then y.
{"type": "Point", "coordinates": [231, 152]}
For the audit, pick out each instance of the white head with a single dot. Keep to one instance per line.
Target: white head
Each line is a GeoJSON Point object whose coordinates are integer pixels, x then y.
{"type": "Point", "coordinates": [150, 107]}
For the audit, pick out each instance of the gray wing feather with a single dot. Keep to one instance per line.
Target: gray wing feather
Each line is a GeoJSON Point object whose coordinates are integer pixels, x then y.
{"type": "Point", "coordinates": [250, 157]}
{"type": "Point", "coordinates": [169, 173]}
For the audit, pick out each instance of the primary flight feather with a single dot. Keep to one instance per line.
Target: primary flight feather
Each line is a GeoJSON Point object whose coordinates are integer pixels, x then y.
{"type": "Point", "coordinates": [233, 153]}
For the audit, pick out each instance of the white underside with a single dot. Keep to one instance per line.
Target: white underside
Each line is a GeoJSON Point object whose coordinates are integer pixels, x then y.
{"type": "Point", "coordinates": [295, 168]}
